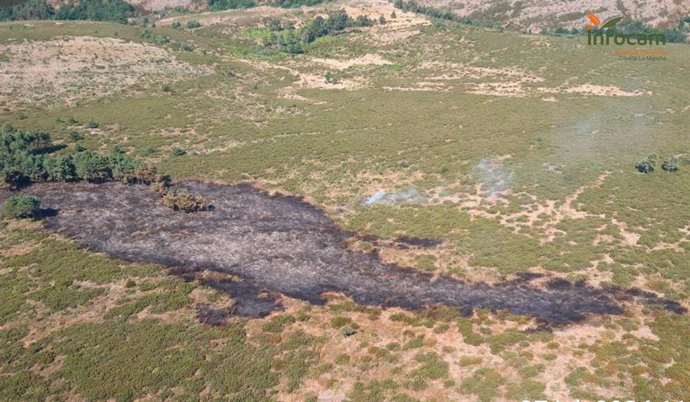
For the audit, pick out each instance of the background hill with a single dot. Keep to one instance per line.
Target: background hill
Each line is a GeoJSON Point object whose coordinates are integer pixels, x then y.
{"type": "Point", "coordinates": [537, 15]}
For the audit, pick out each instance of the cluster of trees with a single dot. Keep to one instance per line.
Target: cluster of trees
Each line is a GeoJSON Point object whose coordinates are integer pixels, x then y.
{"type": "Point", "coordinates": [336, 22]}
{"type": "Point", "coordinates": [220, 5]}
{"type": "Point", "coordinates": [413, 6]}
{"type": "Point", "coordinates": [27, 157]}
{"type": "Point", "coordinates": [96, 10]}
{"type": "Point", "coordinates": [295, 3]}
{"type": "Point", "coordinates": [648, 164]}
{"type": "Point", "coordinates": [29, 10]}
{"type": "Point", "coordinates": [292, 41]}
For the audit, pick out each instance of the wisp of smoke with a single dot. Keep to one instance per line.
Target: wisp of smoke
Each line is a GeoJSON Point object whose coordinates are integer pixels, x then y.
{"type": "Point", "coordinates": [493, 176]}
{"type": "Point", "coordinates": [382, 196]}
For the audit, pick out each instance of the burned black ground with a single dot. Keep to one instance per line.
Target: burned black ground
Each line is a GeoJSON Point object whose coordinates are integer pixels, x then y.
{"type": "Point", "coordinates": [283, 245]}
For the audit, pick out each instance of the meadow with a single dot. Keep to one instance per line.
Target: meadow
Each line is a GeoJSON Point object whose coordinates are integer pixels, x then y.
{"type": "Point", "coordinates": [516, 151]}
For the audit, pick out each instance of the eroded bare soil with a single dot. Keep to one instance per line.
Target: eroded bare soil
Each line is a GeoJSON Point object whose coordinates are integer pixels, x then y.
{"type": "Point", "coordinates": [261, 245]}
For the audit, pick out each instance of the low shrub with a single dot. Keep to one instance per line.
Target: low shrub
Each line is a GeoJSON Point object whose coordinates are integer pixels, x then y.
{"type": "Point", "coordinates": [646, 165]}
{"type": "Point", "coordinates": [147, 174]}
{"type": "Point", "coordinates": [75, 136]}
{"type": "Point", "coordinates": [671, 164]}
{"type": "Point", "coordinates": [192, 24]}
{"type": "Point", "coordinates": [180, 199]}
{"type": "Point", "coordinates": [347, 331]}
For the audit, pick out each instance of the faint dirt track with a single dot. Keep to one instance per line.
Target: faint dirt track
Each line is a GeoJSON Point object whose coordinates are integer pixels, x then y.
{"type": "Point", "coordinates": [283, 245]}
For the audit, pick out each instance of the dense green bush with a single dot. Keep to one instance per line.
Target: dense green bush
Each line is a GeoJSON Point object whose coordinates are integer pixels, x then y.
{"type": "Point", "coordinates": [192, 24]}
{"type": "Point", "coordinates": [646, 165]}
{"type": "Point", "coordinates": [290, 43]}
{"type": "Point", "coordinates": [219, 5]}
{"type": "Point", "coordinates": [75, 136]}
{"type": "Point", "coordinates": [295, 3]}
{"type": "Point", "coordinates": [59, 168]}
{"type": "Point", "coordinates": [122, 167]}
{"type": "Point", "coordinates": [93, 167]}
{"type": "Point", "coordinates": [30, 10]}
{"type": "Point", "coordinates": [22, 207]}
{"type": "Point", "coordinates": [97, 10]}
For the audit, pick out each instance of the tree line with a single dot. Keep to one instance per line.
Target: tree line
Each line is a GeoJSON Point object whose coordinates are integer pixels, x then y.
{"type": "Point", "coordinates": [95, 10]}
{"type": "Point", "coordinates": [290, 40]}
{"type": "Point", "coordinates": [31, 156]}
{"type": "Point", "coordinates": [27, 157]}
{"type": "Point", "coordinates": [117, 10]}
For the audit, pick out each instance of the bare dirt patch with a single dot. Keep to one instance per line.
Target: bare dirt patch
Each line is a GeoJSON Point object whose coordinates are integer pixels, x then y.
{"type": "Point", "coordinates": [368, 59]}
{"type": "Point", "coordinates": [67, 69]}
{"type": "Point", "coordinates": [237, 17]}
{"type": "Point", "coordinates": [510, 82]}
{"type": "Point", "coordinates": [602, 90]}
{"type": "Point", "coordinates": [315, 81]}
{"type": "Point", "coordinates": [281, 245]}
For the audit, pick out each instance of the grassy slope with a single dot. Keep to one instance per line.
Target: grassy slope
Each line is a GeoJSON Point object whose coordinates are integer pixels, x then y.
{"type": "Point", "coordinates": [338, 153]}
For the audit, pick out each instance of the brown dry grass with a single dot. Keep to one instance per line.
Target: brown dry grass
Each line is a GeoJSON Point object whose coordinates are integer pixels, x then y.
{"type": "Point", "coordinates": [68, 69]}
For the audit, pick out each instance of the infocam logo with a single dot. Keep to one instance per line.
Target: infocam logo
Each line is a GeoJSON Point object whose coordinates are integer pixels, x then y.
{"type": "Point", "coordinates": [605, 34]}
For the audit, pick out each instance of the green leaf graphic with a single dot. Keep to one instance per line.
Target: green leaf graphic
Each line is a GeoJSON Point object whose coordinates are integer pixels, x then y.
{"type": "Point", "coordinates": [611, 22]}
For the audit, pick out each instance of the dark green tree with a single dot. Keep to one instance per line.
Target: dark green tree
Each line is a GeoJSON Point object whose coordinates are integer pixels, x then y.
{"type": "Point", "coordinates": [97, 10]}
{"type": "Point", "coordinates": [92, 167]}
{"type": "Point", "coordinates": [59, 168]}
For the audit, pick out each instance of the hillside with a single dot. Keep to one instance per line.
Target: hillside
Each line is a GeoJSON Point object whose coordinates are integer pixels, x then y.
{"type": "Point", "coordinates": [538, 15]}
{"type": "Point", "coordinates": [343, 202]}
